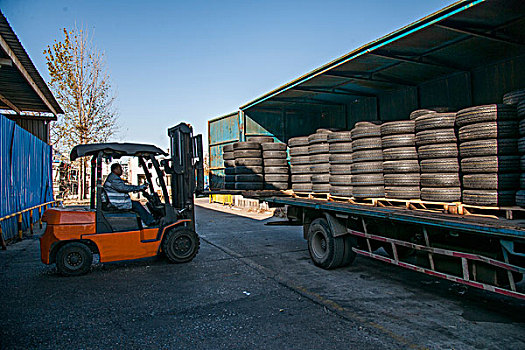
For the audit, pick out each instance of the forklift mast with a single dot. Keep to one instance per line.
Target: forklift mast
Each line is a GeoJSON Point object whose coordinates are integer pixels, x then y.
{"type": "Point", "coordinates": [186, 168]}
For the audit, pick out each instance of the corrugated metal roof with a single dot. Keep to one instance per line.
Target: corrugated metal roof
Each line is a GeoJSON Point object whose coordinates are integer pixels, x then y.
{"type": "Point", "coordinates": [27, 92]}
{"type": "Point", "coordinates": [458, 38]}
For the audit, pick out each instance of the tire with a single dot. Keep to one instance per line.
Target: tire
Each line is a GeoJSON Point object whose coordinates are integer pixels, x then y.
{"type": "Point", "coordinates": [275, 162]}
{"type": "Point", "coordinates": [401, 166]}
{"type": "Point", "coordinates": [340, 136]}
{"type": "Point", "coordinates": [340, 169]}
{"type": "Point", "coordinates": [522, 181]}
{"type": "Point", "coordinates": [489, 147]}
{"type": "Point", "coordinates": [248, 161]}
{"type": "Point", "coordinates": [299, 151]}
{"type": "Point", "coordinates": [229, 178]}
{"type": "Point", "coordinates": [440, 150]}
{"type": "Point", "coordinates": [400, 153]}
{"type": "Point", "coordinates": [521, 145]}
{"type": "Point", "coordinates": [229, 163]}
{"type": "Point", "coordinates": [318, 138]}
{"type": "Point", "coordinates": [341, 180]}
{"type": "Point", "coordinates": [404, 180]}
{"type": "Point", "coordinates": [368, 191]}
{"type": "Point", "coordinates": [276, 186]}
{"type": "Point", "coordinates": [302, 187]}
{"type": "Point", "coordinates": [436, 121]}
{"type": "Point", "coordinates": [342, 158]}
{"type": "Point", "coordinates": [321, 187]}
{"type": "Point", "coordinates": [439, 165]}
{"type": "Point", "coordinates": [318, 148]}
{"type": "Point", "coordinates": [273, 146]}
{"type": "Point", "coordinates": [249, 186]}
{"type": "Point", "coordinates": [400, 140]}
{"type": "Point", "coordinates": [514, 97]}
{"type": "Point", "coordinates": [367, 131]}
{"type": "Point", "coordinates": [276, 178]}
{"type": "Point", "coordinates": [440, 180]}
{"type": "Point", "coordinates": [249, 169]}
{"type": "Point", "coordinates": [349, 255]}
{"type": "Point", "coordinates": [300, 160]}
{"type": "Point", "coordinates": [398, 127]}
{"type": "Point", "coordinates": [367, 180]}
{"type": "Point", "coordinates": [490, 164]}
{"type": "Point", "coordinates": [521, 115]}
{"type": "Point", "coordinates": [326, 130]}
{"type": "Point", "coordinates": [326, 251]}
{"type": "Point", "coordinates": [522, 163]}
{"type": "Point", "coordinates": [340, 147]}
{"type": "Point", "coordinates": [341, 191]}
{"type": "Point", "coordinates": [366, 143]}
{"type": "Point", "coordinates": [298, 141]}
{"type": "Point", "coordinates": [428, 137]}
{"type": "Point", "coordinates": [260, 139]}
{"type": "Point", "coordinates": [228, 155]}
{"type": "Point", "coordinates": [74, 259]}
{"type": "Point", "coordinates": [443, 194]}
{"type": "Point", "coordinates": [249, 178]}
{"type": "Point", "coordinates": [304, 178]}
{"type": "Point", "coordinates": [486, 113]}
{"type": "Point", "coordinates": [366, 124]}
{"type": "Point", "coordinates": [319, 158]}
{"type": "Point", "coordinates": [180, 245]}
{"type": "Point", "coordinates": [276, 170]}
{"type": "Point", "coordinates": [275, 154]}
{"type": "Point", "coordinates": [420, 112]}
{"type": "Point", "coordinates": [489, 130]}
{"type": "Point", "coordinates": [320, 178]}
{"type": "Point", "coordinates": [323, 168]}
{"type": "Point", "coordinates": [367, 168]}
{"type": "Point", "coordinates": [228, 148]}
{"type": "Point", "coordinates": [246, 146]}
{"type": "Point", "coordinates": [492, 181]}
{"type": "Point", "coordinates": [402, 192]}
{"type": "Point", "coordinates": [300, 169]}
{"type": "Point", "coordinates": [365, 156]}
{"type": "Point", "coordinates": [229, 171]}
{"type": "Point", "coordinates": [247, 153]}
{"type": "Point", "coordinates": [489, 197]}
{"type": "Point", "coordinates": [520, 198]}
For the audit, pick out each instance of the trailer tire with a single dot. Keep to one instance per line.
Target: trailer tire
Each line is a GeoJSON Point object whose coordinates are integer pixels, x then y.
{"type": "Point", "coordinates": [237, 146]}
{"type": "Point", "coordinates": [402, 192]}
{"type": "Point", "coordinates": [420, 112]}
{"type": "Point", "coordinates": [274, 154]}
{"type": "Point", "coordinates": [401, 166]}
{"type": "Point", "coordinates": [404, 180]}
{"type": "Point", "coordinates": [302, 187]}
{"type": "Point", "coordinates": [275, 162]}
{"type": "Point", "coordinates": [340, 137]}
{"type": "Point", "coordinates": [439, 150]}
{"type": "Point", "coordinates": [364, 156]}
{"type": "Point", "coordinates": [399, 140]}
{"type": "Point", "coordinates": [489, 197]}
{"type": "Point", "coordinates": [276, 177]}
{"type": "Point", "coordinates": [366, 144]}
{"type": "Point", "coordinates": [490, 164]}
{"type": "Point", "coordinates": [299, 151]}
{"type": "Point", "coordinates": [343, 158]}
{"type": "Point", "coordinates": [340, 169]}
{"type": "Point", "coordinates": [368, 191]}
{"type": "Point", "coordinates": [489, 130]}
{"type": "Point", "coordinates": [439, 165]}
{"type": "Point", "coordinates": [317, 148]}
{"type": "Point", "coordinates": [485, 113]}
{"type": "Point", "coordinates": [260, 139]}
{"type": "Point", "coordinates": [398, 127]}
{"type": "Point", "coordinates": [349, 255]}
{"type": "Point", "coordinates": [273, 146]}
{"type": "Point", "coordinates": [400, 153]}
{"type": "Point", "coordinates": [436, 121]}
{"type": "Point", "coordinates": [300, 160]}
{"type": "Point", "coordinates": [341, 180]}
{"type": "Point", "coordinates": [320, 178]}
{"type": "Point", "coordinates": [367, 168]}
{"type": "Point", "coordinates": [248, 161]}
{"type": "Point", "coordinates": [365, 131]}
{"type": "Point", "coordinates": [492, 181]}
{"type": "Point", "coordinates": [306, 178]}
{"type": "Point", "coordinates": [340, 147]}
{"type": "Point", "coordinates": [300, 169]}
{"type": "Point", "coordinates": [440, 180]}
{"type": "Point", "coordinates": [74, 259]}
{"type": "Point", "coordinates": [323, 168]}
{"type": "Point", "coordinates": [321, 187]}
{"type": "Point", "coordinates": [298, 141]}
{"type": "Point", "coordinates": [275, 170]}
{"type": "Point", "coordinates": [321, 137]}
{"type": "Point", "coordinates": [247, 153]}
{"type": "Point", "coordinates": [326, 251]}
{"type": "Point", "coordinates": [368, 180]}
{"type": "Point", "coordinates": [488, 147]}
{"type": "Point", "coordinates": [428, 137]}
{"type": "Point", "coordinates": [443, 194]}
{"type": "Point", "coordinates": [341, 191]}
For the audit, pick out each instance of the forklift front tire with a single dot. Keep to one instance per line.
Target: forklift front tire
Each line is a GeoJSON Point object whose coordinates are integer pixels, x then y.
{"type": "Point", "coordinates": [74, 259]}
{"type": "Point", "coordinates": [180, 245]}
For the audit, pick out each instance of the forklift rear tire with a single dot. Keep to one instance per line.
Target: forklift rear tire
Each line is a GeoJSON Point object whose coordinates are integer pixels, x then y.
{"type": "Point", "coordinates": [180, 245]}
{"type": "Point", "coordinates": [74, 259]}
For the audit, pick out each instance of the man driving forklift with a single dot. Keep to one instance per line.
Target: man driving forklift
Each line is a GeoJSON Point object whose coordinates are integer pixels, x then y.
{"type": "Point", "coordinates": [117, 195]}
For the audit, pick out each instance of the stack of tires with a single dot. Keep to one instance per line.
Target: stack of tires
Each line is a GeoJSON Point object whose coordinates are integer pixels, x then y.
{"type": "Point", "coordinates": [367, 161]}
{"type": "Point", "coordinates": [276, 173]}
{"type": "Point", "coordinates": [488, 151]}
{"type": "Point", "coordinates": [400, 165]}
{"type": "Point", "coordinates": [229, 167]}
{"type": "Point", "coordinates": [340, 147]}
{"type": "Point", "coordinates": [300, 164]}
{"type": "Point", "coordinates": [438, 157]}
{"type": "Point", "coordinates": [248, 166]}
{"type": "Point", "coordinates": [520, 195]}
{"type": "Point", "coordinates": [319, 154]}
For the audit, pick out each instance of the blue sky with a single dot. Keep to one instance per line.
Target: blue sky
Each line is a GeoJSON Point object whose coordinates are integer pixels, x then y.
{"type": "Point", "coordinates": [173, 61]}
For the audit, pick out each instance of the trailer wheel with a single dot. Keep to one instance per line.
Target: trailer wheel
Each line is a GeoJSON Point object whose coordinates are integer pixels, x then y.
{"type": "Point", "coordinates": [326, 251]}
{"type": "Point", "coordinates": [349, 255]}
{"type": "Point", "coordinates": [74, 259]}
{"type": "Point", "coordinates": [180, 245]}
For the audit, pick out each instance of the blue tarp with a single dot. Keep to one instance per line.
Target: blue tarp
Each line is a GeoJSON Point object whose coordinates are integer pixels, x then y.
{"type": "Point", "coordinates": [25, 174]}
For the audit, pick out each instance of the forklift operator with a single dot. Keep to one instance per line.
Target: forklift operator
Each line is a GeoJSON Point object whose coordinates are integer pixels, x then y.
{"type": "Point", "coordinates": [117, 192]}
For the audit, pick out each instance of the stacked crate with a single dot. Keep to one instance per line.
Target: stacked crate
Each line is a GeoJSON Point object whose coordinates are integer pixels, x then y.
{"type": "Point", "coordinates": [488, 151]}
{"type": "Point", "coordinates": [438, 157]}
{"type": "Point", "coordinates": [248, 166]}
{"type": "Point", "coordinates": [276, 173]}
{"type": "Point", "coordinates": [300, 164]}
{"type": "Point", "coordinates": [319, 154]}
{"type": "Point", "coordinates": [340, 147]}
{"type": "Point", "coordinates": [367, 161]}
{"type": "Point", "coordinates": [400, 165]}
{"type": "Point", "coordinates": [229, 167]}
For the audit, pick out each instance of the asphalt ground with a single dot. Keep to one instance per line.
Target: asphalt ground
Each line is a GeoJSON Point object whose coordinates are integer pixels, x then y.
{"type": "Point", "coordinates": [250, 286]}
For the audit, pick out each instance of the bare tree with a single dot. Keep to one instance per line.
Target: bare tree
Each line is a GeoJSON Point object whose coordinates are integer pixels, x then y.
{"type": "Point", "coordinates": [81, 84]}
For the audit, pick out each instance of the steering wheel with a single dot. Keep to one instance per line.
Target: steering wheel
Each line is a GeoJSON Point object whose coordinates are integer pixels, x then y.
{"type": "Point", "coordinates": [154, 204]}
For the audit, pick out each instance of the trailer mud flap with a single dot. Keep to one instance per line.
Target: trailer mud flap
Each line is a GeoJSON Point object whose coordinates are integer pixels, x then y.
{"type": "Point", "coordinates": [338, 228]}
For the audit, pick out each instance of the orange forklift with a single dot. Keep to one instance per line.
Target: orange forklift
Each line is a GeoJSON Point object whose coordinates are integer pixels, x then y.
{"type": "Point", "coordinates": [72, 236]}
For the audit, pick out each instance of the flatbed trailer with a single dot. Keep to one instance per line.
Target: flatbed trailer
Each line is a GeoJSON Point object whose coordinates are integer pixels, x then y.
{"type": "Point", "coordinates": [481, 252]}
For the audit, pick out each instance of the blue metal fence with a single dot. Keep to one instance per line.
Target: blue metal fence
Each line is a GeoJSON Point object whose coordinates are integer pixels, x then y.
{"type": "Point", "coordinates": [25, 174]}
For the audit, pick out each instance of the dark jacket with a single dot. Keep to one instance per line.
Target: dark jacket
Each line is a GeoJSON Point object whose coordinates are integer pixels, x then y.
{"type": "Point", "coordinates": [117, 191]}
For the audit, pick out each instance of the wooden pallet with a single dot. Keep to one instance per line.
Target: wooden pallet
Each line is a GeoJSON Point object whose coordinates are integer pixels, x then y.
{"type": "Point", "coordinates": [510, 213]}
{"type": "Point", "coordinates": [312, 195]}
